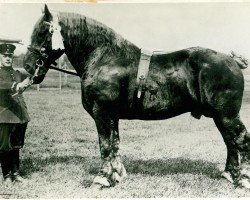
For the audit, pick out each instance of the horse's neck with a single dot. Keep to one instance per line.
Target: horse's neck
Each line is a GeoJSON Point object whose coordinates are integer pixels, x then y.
{"type": "Point", "coordinates": [83, 57]}
{"type": "Point", "coordinates": [90, 59]}
{"type": "Point", "coordinates": [82, 46]}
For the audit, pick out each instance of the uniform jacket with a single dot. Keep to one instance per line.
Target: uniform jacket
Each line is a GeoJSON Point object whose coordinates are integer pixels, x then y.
{"type": "Point", "coordinates": [12, 109]}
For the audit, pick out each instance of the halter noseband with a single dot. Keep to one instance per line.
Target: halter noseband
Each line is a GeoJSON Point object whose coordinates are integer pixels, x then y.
{"type": "Point", "coordinates": [43, 56]}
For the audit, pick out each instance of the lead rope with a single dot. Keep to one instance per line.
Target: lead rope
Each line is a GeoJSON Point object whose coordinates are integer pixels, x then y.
{"type": "Point", "coordinates": [31, 81]}
{"type": "Point", "coordinates": [62, 70]}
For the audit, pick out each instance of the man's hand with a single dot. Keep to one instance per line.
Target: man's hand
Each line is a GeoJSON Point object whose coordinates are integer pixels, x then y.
{"type": "Point", "coordinates": [23, 85]}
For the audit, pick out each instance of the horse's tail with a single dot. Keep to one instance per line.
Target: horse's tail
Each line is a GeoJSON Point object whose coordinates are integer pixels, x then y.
{"type": "Point", "coordinates": [240, 60]}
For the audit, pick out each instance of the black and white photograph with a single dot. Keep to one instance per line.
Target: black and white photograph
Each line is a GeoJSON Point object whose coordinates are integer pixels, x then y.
{"type": "Point", "coordinates": [124, 99]}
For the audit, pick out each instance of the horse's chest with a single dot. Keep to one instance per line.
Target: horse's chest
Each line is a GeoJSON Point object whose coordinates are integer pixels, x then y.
{"type": "Point", "coordinates": [104, 84]}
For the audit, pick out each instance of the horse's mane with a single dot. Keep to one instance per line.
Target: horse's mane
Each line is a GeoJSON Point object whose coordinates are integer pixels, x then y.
{"type": "Point", "coordinates": [39, 32]}
{"type": "Point", "coordinates": [96, 34]}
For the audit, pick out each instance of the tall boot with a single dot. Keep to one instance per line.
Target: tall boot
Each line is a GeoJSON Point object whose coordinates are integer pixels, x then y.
{"type": "Point", "coordinates": [6, 167]}
{"type": "Point", "coordinates": [15, 165]}
{"type": "Point", "coordinates": [15, 161]}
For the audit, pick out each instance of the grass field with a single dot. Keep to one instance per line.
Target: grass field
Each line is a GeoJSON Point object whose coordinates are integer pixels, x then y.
{"type": "Point", "coordinates": [178, 157]}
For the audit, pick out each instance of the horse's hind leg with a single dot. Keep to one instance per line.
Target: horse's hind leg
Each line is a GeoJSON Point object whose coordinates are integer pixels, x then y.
{"type": "Point", "coordinates": [112, 169]}
{"type": "Point", "coordinates": [237, 140]}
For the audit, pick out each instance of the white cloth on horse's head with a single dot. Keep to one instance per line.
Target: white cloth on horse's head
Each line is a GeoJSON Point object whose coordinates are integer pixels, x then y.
{"type": "Point", "coordinates": [55, 29]}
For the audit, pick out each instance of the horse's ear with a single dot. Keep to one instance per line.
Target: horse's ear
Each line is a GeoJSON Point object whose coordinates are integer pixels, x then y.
{"type": "Point", "coordinates": [47, 13]}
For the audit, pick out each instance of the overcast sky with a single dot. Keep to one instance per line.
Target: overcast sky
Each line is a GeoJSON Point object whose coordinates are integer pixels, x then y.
{"type": "Point", "coordinates": [168, 26]}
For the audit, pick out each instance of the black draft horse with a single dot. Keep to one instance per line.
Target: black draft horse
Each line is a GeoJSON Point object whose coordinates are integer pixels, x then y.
{"type": "Point", "coordinates": [196, 80]}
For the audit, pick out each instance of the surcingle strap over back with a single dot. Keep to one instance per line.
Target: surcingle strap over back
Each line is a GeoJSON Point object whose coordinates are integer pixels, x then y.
{"type": "Point", "coordinates": [143, 69]}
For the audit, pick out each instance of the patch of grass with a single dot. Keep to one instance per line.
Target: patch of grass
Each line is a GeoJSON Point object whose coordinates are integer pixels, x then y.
{"type": "Point", "coordinates": [178, 157]}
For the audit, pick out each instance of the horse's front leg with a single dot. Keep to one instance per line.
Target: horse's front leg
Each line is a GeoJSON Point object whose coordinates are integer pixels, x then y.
{"type": "Point", "coordinates": [112, 169]}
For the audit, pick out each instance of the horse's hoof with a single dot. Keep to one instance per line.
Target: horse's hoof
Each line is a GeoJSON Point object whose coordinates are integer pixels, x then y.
{"type": "Point", "coordinates": [244, 183]}
{"type": "Point", "coordinates": [96, 186]}
{"type": "Point", "coordinates": [101, 180]}
{"type": "Point", "coordinates": [227, 176]}
{"type": "Point", "coordinates": [117, 177]}
{"type": "Point", "coordinates": [123, 173]}
{"type": "Point", "coordinates": [245, 173]}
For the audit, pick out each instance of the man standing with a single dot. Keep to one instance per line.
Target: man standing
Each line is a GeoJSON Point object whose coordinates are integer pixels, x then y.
{"type": "Point", "coordinates": [13, 113]}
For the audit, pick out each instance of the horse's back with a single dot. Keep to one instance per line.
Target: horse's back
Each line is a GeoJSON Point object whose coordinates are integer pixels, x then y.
{"type": "Point", "coordinates": [196, 80]}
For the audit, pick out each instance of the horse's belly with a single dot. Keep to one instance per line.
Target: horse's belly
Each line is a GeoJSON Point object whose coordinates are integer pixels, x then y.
{"type": "Point", "coordinates": [159, 105]}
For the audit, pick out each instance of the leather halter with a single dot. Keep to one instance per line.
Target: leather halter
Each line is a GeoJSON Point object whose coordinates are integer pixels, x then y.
{"type": "Point", "coordinates": [43, 57]}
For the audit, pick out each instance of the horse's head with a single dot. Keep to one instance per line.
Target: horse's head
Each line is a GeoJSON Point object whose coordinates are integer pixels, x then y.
{"type": "Point", "coordinates": [46, 45]}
